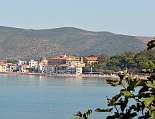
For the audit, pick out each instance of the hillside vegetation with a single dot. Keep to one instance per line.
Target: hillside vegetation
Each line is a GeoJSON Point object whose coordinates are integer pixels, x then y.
{"type": "Point", "coordinates": [26, 43]}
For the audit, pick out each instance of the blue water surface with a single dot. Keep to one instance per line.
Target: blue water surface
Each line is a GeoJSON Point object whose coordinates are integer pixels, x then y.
{"type": "Point", "coordinates": [34, 97]}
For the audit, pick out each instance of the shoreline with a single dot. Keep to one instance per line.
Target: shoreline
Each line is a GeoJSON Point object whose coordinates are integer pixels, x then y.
{"type": "Point", "coordinates": [62, 75]}
{"type": "Point", "coordinates": [114, 76]}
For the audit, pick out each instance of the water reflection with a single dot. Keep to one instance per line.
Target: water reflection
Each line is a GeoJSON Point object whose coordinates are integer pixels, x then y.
{"type": "Point", "coordinates": [38, 97]}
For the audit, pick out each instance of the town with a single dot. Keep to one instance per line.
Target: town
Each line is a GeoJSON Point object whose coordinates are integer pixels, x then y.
{"type": "Point", "coordinates": [60, 64]}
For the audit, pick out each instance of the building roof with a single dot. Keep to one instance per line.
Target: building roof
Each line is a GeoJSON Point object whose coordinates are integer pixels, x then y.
{"type": "Point", "coordinates": [60, 65]}
{"type": "Point", "coordinates": [91, 58]}
{"type": "Point", "coordinates": [25, 66]}
{"type": "Point", "coordinates": [64, 57]}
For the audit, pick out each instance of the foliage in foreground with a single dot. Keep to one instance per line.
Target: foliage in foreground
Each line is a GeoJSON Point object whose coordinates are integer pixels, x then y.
{"type": "Point", "coordinates": [85, 115]}
{"type": "Point", "coordinates": [136, 98]}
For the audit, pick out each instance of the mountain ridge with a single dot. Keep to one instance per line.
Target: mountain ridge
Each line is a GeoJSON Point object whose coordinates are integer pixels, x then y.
{"type": "Point", "coordinates": [31, 43]}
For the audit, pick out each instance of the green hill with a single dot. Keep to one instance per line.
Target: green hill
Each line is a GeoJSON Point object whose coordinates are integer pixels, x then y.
{"type": "Point", "coordinates": [28, 43]}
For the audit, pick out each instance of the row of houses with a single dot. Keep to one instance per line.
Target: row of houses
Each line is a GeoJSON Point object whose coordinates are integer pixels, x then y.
{"type": "Point", "coordinates": [54, 64]}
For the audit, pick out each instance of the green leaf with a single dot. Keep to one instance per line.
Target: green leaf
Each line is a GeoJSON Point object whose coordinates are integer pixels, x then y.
{"type": "Point", "coordinates": [140, 83]}
{"type": "Point", "coordinates": [127, 94]}
{"type": "Point", "coordinates": [150, 84]}
{"type": "Point", "coordinates": [148, 101]}
{"type": "Point", "coordinates": [153, 114]}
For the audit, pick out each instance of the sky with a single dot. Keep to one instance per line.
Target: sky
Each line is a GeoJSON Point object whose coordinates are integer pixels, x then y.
{"type": "Point", "coordinates": [131, 17]}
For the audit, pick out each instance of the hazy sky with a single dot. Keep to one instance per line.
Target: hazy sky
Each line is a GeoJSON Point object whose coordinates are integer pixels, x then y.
{"type": "Point", "coordinates": [134, 17]}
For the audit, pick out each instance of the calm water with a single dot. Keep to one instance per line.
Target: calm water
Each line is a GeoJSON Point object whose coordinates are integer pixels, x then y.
{"type": "Point", "coordinates": [32, 97]}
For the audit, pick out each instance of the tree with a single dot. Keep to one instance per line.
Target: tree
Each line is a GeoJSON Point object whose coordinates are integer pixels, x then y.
{"type": "Point", "coordinates": [120, 104]}
{"type": "Point", "coordinates": [135, 99]}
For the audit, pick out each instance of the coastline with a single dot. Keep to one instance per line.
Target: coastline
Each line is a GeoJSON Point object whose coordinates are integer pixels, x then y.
{"type": "Point", "coordinates": [62, 75]}
{"type": "Point", "coordinates": [113, 76]}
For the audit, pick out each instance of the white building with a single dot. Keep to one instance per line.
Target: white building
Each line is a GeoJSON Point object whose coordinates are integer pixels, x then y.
{"type": "Point", "coordinates": [78, 70]}
{"type": "Point", "coordinates": [33, 64]}
{"type": "Point", "coordinates": [21, 62]}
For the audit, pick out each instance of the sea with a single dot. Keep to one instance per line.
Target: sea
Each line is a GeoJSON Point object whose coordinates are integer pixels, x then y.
{"type": "Point", "coordinates": [42, 97]}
